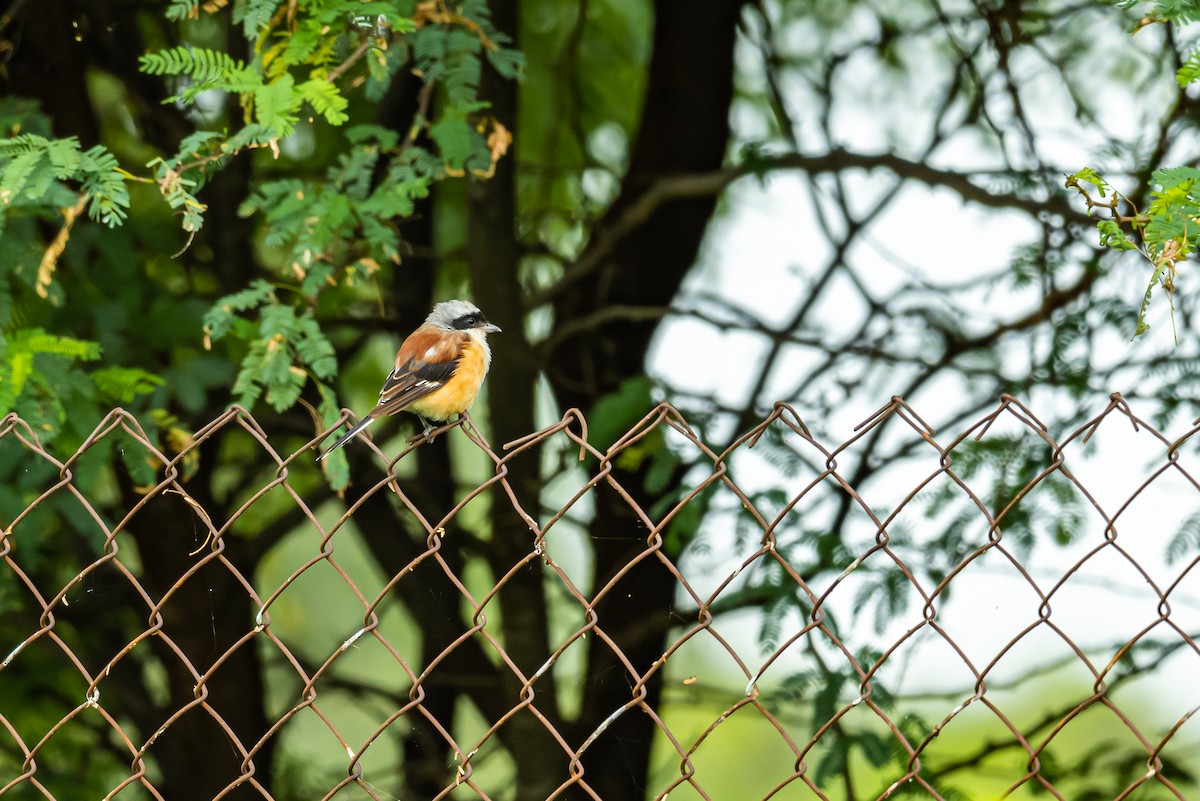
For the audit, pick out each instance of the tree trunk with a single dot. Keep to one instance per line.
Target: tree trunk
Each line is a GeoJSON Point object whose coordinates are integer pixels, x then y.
{"type": "Point", "coordinates": [685, 129]}
{"type": "Point", "coordinates": [493, 261]}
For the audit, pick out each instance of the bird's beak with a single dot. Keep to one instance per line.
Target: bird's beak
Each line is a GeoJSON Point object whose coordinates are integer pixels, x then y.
{"type": "Point", "coordinates": [490, 328]}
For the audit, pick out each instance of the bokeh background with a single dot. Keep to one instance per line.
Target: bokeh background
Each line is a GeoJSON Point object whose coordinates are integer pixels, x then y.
{"type": "Point", "coordinates": [719, 206]}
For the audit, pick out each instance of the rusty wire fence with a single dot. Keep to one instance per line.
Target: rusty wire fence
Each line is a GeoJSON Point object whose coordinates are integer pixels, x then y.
{"type": "Point", "coordinates": [998, 614]}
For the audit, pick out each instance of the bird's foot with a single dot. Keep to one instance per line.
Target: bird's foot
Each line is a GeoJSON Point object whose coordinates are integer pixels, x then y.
{"type": "Point", "coordinates": [426, 434]}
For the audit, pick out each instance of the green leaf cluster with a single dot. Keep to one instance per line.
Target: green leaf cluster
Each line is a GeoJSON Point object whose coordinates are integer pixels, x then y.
{"type": "Point", "coordinates": [34, 364]}
{"type": "Point", "coordinates": [206, 69]}
{"type": "Point", "coordinates": [283, 341]}
{"type": "Point", "coordinates": [1112, 236]}
{"type": "Point", "coordinates": [312, 58]}
{"type": "Point", "coordinates": [35, 171]}
{"type": "Point", "coordinates": [182, 9]}
{"type": "Point", "coordinates": [451, 55]}
{"type": "Point", "coordinates": [337, 230]}
{"type": "Point", "coordinates": [1178, 11]}
{"type": "Point", "coordinates": [310, 68]}
{"type": "Point", "coordinates": [1169, 228]}
{"type": "Point", "coordinates": [1171, 231]}
{"type": "Point", "coordinates": [45, 376]}
{"type": "Point", "coordinates": [285, 348]}
{"type": "Point", "coordinates": [1169, 225]}
{"type": "Point", "coordinates": [1095, 179]}
{"type": "Point", "coordinates": [1173, 208]}
{"type": "Point", "coordinates": [343, 227]}
{"type": "Point", "coordinates": [1189, 73]}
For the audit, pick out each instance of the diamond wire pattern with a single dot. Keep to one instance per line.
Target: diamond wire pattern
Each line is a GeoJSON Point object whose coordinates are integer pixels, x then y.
{"type": "Point", "coordinates": [816, 632]}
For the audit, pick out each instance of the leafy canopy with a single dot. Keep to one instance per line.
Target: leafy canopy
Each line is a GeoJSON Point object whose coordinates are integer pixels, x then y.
{"type": "Point", "coordinates": [309, 64]}
{"type": "Point", "coordinates": [1168, 231]}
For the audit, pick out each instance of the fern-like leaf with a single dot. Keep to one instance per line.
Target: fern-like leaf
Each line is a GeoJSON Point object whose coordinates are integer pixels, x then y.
{"type": "Point", "coordinates": [313, 349]}
{"type": "Point", "coordinates": [219, 319]}
{"type": "Point", "coordinates": [253, 15]}
{"type": "Point", "coordinates": [326, 100]}
{"type": "Point", "coordinates": [182, 9]}
{"type": "Point", "coordinates": [105, 185]}
{"type": "Point", "coordinates": [276, 105]}
{"type": "Point", "coordinates": [123, 384]}
{"type": "Point", "coordinates": [1178, 11]}
{"type": "Point", "coordinates": [200, 64]}
{"type": "Point", "coordinates": [36, 340]}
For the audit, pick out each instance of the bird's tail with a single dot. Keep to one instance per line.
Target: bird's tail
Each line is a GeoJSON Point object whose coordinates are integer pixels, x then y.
{"type": "Point", "coordinates": [344, 438]}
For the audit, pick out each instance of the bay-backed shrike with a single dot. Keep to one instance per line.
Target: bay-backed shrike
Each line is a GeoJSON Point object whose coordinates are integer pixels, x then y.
{"type": "Point", "coordinates": [438, 370]}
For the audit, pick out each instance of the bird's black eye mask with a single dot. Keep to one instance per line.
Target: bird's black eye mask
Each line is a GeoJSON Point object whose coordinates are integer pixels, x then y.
{"type": "Point", "coordinates": [472, 320]}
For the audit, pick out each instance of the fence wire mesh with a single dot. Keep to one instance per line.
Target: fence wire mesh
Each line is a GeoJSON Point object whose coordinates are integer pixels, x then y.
{"type": "Point", "coordinates": [829, 637]}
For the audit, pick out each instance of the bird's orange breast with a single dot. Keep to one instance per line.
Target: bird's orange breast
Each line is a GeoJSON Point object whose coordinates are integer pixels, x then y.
{"type": "Point", "coordinates": [459, 392]}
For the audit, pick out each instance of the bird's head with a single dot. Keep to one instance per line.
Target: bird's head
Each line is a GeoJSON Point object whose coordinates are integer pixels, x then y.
{"type": "Point", "coordinates": [460, 315]}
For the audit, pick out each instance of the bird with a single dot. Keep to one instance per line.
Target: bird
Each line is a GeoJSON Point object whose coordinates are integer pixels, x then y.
{"type": "Point", "coordinates": [439, 369]}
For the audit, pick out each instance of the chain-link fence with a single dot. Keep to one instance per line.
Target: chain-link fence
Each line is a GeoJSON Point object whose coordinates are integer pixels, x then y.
{"type": "Point", "coordinates": [995, 611]}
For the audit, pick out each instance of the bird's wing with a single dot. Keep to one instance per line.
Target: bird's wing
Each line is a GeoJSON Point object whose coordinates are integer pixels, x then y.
{"type": "Point", "coordinates": [424, 363]}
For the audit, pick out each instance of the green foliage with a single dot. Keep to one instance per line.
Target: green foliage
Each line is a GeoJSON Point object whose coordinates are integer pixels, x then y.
{"type": "Point", "coordinates": [182, 9]}
{"type": "Point", "coordinates": [1111, 236]}
{"type": "Point", "coordinates": [121, 385]}
{"type": "Point", "coordinates": [1173, 207]}
{"type": "Point", "coordinates": [1177, 11]}
{"type": "Point", "coordinates": [343, 227]}
{"type": "Point", "coordinates": [273, 101]}
{"type": "Point", "coordinates": [1167, 229]}
{"type": "Point", "coordinates": [220, 318]}
{"type": "Point", "coordinates": [617, 412]}
{"type": "Point", "coordinates": [312, 59]}
{"type": "Point", "coordinates": [34, 169]}
{"type": "Point", "coordinates": [459, 143]}
{"type": "Point", "coordinates": [1051, 510]}
{"type": "Point", "coordinates": [1094, 178]}
{"type": "Point", "coordinates": [104, 186]}
{"type": "Point", "coordinates": [207, 69]}
{"type": "Point", "coordinates": [20, 376]}
{"type": "Point", "coordinates": [451, 57]}
{"type": "Point", "coordinates": [886, 593]}
{"type": "Point", "coordinates": [1156, 278]}
{"type": "Point", "coordinates": [321, 236]}
{"type": "Point", "coordinates": [325, 98]}
{"type": "Point", "coordinates": [253, 15]}
{"type": "Point", "coordinates": [285, 348]}
{"type": "Point", "coordinates": [1189, 73]}
{"type": "Point", "coordinates": [34, 366]}
{"type": "Point", "coordinates": [177, 191]}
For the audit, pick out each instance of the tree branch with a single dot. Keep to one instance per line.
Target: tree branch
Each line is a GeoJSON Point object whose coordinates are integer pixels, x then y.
{"type": "Point", "coordinates": [701, 185]}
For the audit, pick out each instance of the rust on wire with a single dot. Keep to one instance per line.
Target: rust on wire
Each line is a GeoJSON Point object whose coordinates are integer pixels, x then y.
{"type": "Point", "coordinates": [816, 611]}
